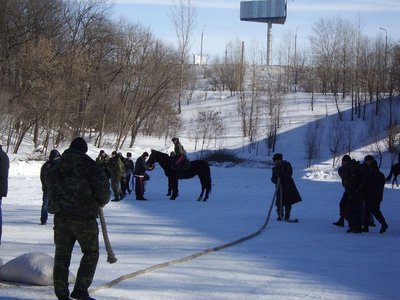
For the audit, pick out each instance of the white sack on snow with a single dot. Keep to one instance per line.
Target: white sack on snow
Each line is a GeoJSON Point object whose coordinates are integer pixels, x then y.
{"type": "Point", "coordinates": [30, 268]}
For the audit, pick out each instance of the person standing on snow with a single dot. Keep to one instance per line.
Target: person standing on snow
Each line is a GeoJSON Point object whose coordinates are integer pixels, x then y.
{"type": "Point", "coordinates": [141, 167]}
{"type": "Point", "coordinates": [54, 155]}
{"type": "Point", "coordinates": [352, 180]}
{"type": "Point", "coordinates": [4, 166]}
{"type": "Point", "coordinates": [344, 201]}
{"type": "Point", "coordinates": [129, 171]}
{"type": "Point", "coordinates": [117, 171]}
{"type": "Point", "coordinates": [77, 189]}
{"type": "Point", "coordinates": [374, 185]}
{"type": "Point", "coordinates": [102, 160]}
{"type": "Point", "coordinates": [287, 193]}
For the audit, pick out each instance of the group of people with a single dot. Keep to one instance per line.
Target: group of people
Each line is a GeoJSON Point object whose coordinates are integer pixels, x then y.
{"type": "Point", "coordinates": [363, 193]}
{"type": "Point", "coordinates": [75, 188]}
{"type": "Point", "coordinates": [119, 170]}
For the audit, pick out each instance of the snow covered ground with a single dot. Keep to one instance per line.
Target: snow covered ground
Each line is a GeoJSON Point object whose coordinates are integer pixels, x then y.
{"type": "Point", "coordinates": [309, 260]}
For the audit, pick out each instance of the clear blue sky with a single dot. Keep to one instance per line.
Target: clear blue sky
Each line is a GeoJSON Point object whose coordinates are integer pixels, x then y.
{"type": "Point", "coordinates": [220, 20]}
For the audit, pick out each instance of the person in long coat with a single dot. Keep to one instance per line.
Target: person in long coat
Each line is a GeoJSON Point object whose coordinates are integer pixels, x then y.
{"type": "Point", "coordinates": [352, 180]}
{"type": "Point", "coordinates": [373, 187]}
{"type": "Point", "coordinates": [287, 193]}
{"type": "Point", "coordinates": [4, 166]}
{"type": "Point", "coordinates": [54, 155]}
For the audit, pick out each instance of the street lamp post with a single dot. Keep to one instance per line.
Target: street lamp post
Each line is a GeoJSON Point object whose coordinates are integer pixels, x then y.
{"type": "Point", "coordinates": [295, 61]}
{"type": "Point", "coordinates": [386, 52]}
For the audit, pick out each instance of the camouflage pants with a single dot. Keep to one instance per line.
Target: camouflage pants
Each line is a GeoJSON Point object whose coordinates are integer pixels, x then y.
{"type": "Point", "coordinates": [68, 230]}
{"type": "Point", "coordinates": [116, 185]}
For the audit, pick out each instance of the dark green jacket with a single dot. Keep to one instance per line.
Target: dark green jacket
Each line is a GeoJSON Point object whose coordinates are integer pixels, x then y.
{"type": "Point", "coordinates": [77, 186]}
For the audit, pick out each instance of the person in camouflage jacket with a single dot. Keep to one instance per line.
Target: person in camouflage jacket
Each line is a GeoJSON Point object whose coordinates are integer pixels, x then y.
{"type": "Point", "coordinates": [117, 171]}
{"type": "Point", "coordinates": [77, 188]}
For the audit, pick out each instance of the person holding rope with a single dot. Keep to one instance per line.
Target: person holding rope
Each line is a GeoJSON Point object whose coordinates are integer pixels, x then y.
{"type": "Point", "coordinates": [141, 176]}
{"type": "Point", "coordinates": [287, 193]}
{"type": "Point", "coordinates": [77, 190]}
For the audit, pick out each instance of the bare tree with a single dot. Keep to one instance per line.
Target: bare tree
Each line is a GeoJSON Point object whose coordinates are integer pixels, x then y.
{"type": "Point", "coordinates": [336, 139]}
{"type": "Point", "coordinates": [183, 17]}
{"type": "Point", "coordinates": [208, 127]}
{"type": "Point", "coordinates": [312, 142]}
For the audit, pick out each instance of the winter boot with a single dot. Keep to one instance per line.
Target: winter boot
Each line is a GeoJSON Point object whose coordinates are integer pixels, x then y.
{"type": "Point", "coordinates": [81, 295]}
{"type": "Point", "coordinates": [116, 198]}
{"type": "Point", "coordinates": [384, 228]}
{"type": "Point", "coordinates": [339, 222]}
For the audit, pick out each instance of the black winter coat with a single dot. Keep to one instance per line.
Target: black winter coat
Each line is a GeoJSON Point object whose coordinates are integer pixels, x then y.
{"type": "Point", "coordinates": [287, 188]}
{"type": "Point", "coordinates": [4, 166]}
{"type": "Point", "coordinates": [141, 166]}
{"type": "Point", "coordinates": [374, 185]}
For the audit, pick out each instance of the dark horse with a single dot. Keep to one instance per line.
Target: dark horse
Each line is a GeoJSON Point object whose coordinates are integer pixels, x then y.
{"type": "Point", "coordinates": [394, 171]}
{"type": "Point", "coordinates": [197, 167]}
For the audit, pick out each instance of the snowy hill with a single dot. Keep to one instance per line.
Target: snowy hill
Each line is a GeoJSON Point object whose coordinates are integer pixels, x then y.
{"type": "Point", "coordinates": [309, 260]}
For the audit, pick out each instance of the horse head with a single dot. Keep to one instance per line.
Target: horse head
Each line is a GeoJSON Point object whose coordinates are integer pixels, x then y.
{"type": "Point", "coordinates": [152, 158]}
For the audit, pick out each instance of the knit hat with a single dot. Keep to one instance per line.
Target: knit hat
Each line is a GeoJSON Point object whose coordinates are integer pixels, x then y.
{"type": "Point", "coordinates": [145, 154]}
{"type": "Point", "coordinates": [277, 156]}
{"type": "Point", "coordinates": [346, 158]}
{"type": "Point", "coordinates": [79, 144]}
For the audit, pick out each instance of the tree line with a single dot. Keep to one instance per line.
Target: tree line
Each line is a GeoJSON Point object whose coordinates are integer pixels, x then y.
{"type": "Point", "coordinates": [67, 69]}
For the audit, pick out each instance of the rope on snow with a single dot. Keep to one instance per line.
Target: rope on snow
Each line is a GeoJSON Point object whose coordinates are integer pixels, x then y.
{"type": "Point", "coordinates": [190, 257]}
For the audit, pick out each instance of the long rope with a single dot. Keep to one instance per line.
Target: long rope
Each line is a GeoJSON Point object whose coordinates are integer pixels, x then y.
{"type": "Point", "coordinates": [190, 257]}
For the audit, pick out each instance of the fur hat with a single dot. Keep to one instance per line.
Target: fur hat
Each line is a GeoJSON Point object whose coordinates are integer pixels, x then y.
{"type": "Point", "coordinates": [277, 156]}
{"type": "Point", "coordinates": [346, 158]}
{"type": "Point", "coordinates": [79, 144]}
{"type": "Point", "coordinates": [54, 154]}
{"type": "Point", "coordinates": [369, 158]}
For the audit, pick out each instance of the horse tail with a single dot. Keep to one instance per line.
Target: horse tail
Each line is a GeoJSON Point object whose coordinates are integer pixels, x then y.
{"type": "Point", "coordinates": [208, 181]}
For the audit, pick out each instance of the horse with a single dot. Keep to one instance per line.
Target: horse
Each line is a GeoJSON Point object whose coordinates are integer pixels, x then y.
{"type": "Point", "coordinates": [394, 171]}
{"type": "Point", "coordinates": [200, 168]}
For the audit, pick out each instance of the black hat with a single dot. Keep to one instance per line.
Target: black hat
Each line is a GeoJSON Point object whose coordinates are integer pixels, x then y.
{"type": "Point", "coordinates": [369, 158]}
{"type": "Point", "coordinates": [175, 139]}
{"type": "Point", "coordinates": [277, 156]}
{"type": "Point", "coordinates": [114, 153]}
{"type": "Point", "coordinates": [145, 154]}
{"type": "Point", "coordinates": [79, 144]}
{"type": "Point", "coordinates": [102, 151]}
{"type": "Point", "coordinates": [128, 154]}
{"type": "Point", "coordinates": [346, 158]}
{"type": "Point", "coordinates": [54, 154]}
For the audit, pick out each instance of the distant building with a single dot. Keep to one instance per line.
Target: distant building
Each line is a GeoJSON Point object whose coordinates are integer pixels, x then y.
{"type": "Point", "coordinates": [200, 60]}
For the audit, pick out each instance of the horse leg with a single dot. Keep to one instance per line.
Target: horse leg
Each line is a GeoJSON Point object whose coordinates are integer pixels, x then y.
{"type": "Point", "coordinates": [174, 188]}
{"type": "Point", "coordinates": [201, 194]}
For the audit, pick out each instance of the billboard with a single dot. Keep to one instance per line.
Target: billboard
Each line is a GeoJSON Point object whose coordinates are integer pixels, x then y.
{"type": "Point", "coordinates": [266, 11]}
